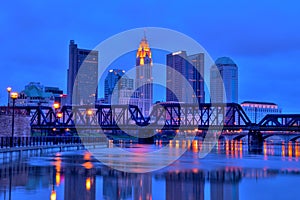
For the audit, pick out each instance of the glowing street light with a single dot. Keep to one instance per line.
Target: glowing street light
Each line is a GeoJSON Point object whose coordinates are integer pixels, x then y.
{"type": "Point", "coordinates": [13, 96]}
{"type": "Point", "coordinates": [59, 115]}
{"type": "Point", "coordinates": [56, 105]}
{"type": "Point", "coordinates": [89, 112]}
{"type": "Point", "coordinates": [8, 89]}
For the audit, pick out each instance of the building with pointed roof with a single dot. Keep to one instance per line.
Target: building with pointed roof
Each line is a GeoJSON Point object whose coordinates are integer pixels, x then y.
{"type": "Point", "coordinates": [144, 79]}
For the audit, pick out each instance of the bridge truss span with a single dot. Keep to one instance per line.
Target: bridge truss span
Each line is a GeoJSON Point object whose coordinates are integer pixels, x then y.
{"type": "Point", "coordinates": [164, 116]}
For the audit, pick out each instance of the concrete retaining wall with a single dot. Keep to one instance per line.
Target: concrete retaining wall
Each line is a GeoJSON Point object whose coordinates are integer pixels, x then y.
{"type": "Point", "coordinates": [22, 126]}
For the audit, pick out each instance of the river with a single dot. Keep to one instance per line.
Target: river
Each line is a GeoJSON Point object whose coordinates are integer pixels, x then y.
{"type": "Point", "coordinates": [228, 171]}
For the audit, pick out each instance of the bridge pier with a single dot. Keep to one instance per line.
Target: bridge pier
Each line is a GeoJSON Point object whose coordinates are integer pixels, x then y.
{"type": "Point", "coordinates": [255, 141]}
{"type": "Point", "coordinates": [146, 136]}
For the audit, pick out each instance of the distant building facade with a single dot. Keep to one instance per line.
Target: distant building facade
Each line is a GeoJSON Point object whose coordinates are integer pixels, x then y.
{"type": "Point", "coordinates": [36, 94]}
{"type": "Point", "coordinates": [82, 90]}
{"type": "Point", "coordinates": [144, 79]}
{"type": "Point", "coordinates": [224, 81]}
{"type": "Point", "coordinates": [56, 92]}
{"type": "Point", "coordinates": [118, 88]}
{"type": "Point", "coordinates": [182, 67]}
{"type": "Point", "coordinates": [256, 111]}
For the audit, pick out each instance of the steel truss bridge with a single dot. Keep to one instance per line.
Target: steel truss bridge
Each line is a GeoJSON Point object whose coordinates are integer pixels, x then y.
{"type": "Point", "coordinates": [227, 118]}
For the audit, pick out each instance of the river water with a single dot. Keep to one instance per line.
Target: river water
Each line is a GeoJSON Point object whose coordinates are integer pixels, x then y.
{"type": "Point", "coordinates": [228, 171]}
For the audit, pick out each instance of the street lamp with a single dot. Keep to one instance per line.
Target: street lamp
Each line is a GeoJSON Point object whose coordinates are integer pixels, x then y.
{"type": "Point", "coordinates": [56, 105]}
{"type": "Point", "coordinates": [8, 89]}
{"type": "Point", "coordinates": [59, 115]}
{"type": "Point", "coordinates": [89, 112]}
{"type": "Point", "coordinates": [13, 96]}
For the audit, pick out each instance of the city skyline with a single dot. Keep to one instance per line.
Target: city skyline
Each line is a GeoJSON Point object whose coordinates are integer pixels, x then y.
{"type": "Point", "coordinates": [149, 99]}
{"type": "Point", "coordinates": [261, 45]}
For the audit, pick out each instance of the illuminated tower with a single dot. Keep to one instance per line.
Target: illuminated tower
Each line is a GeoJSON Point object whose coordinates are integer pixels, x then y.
{"type": "Point", "coordinates": [144, 77]}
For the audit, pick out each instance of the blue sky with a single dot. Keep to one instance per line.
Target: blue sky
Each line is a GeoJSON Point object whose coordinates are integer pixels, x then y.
{"type": "Point", "coordinates": [262, 37]}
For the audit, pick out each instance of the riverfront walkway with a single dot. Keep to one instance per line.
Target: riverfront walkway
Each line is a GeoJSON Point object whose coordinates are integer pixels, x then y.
{"type": "Point", "coordinates": [11, 149]}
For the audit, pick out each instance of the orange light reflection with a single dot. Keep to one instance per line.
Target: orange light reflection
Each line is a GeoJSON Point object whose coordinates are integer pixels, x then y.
{"type": "Point", "coordinates": [195, 146]}
{"type": "Point", "coordinates": [227, 147]}
{"type": "Point", "coordinates": [88, 184]}
{"type": "Point", "coordinates": [87, 156]}
{"type": "Point", "coordinates": [296, 151]}
{"type": "Point", "coordinates": [53, 195]}
{"type": "Point", "coordinates": [57, 178]}
{"type": "Point", "coordinates": [290, 150]}
{"type": "Point", "coordinates": [87, 165]}
{"type": "Point", "coordinates": [265, 151]}
{"type": "Point", "coordinates": [283, 150]}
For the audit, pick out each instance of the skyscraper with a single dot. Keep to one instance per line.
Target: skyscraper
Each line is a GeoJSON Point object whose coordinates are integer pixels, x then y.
{"type": "Point", "coordinates": [118, 87]}
{"type": "Point", "coordinates": [83, 89]}
{"type": "Point", "coordinates": [144, 77]}
{"type": "Point", "coordinates": [177, 62]}
{"type": "Point", "coordinates": [180, 68]}
{"type": "Point", "coordinates": [195, 70]}
{"type": "Point", "coordinates": [224, 81]}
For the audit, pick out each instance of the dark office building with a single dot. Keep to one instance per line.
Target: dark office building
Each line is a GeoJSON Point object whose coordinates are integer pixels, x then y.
{"type": "Point", "coordinates": [82, 75]}
{"type": "Point", "coordinates": [183, 67]}
{"type": "Point", "coordinates": [115, 82]}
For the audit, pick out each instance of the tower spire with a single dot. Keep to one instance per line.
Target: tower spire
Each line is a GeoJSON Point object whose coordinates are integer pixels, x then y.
{"type": "Point", "coordinates": [143, 55]}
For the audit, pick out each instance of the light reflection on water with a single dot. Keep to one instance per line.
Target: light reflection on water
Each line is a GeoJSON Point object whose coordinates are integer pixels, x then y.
{"type": "Point", "coordinates": [228, 172]}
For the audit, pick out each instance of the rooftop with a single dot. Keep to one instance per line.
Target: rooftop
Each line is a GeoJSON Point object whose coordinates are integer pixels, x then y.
{"type": "Point", "coordinates": [259, 102]}
{"type": "Point", "coordinates": [224, 61]}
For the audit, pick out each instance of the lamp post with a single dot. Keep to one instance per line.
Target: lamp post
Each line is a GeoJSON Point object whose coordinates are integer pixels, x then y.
{"type": "Point", "coordinates": [89, 113]}
{"type": "Point", "coordinates": [59, 115]}
{"type": "Point", "coordinates": [56, 106]}
{"type": "Point", "coordinates": [13, 96]}
{"type": "Point", "coordinates": [8, 89]}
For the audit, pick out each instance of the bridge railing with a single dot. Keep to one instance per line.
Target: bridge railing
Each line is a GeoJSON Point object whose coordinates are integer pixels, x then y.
{"type": "Point", "coordinates": [280, 122]}
{"type": "Point", "coordinates": [9, 142]}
